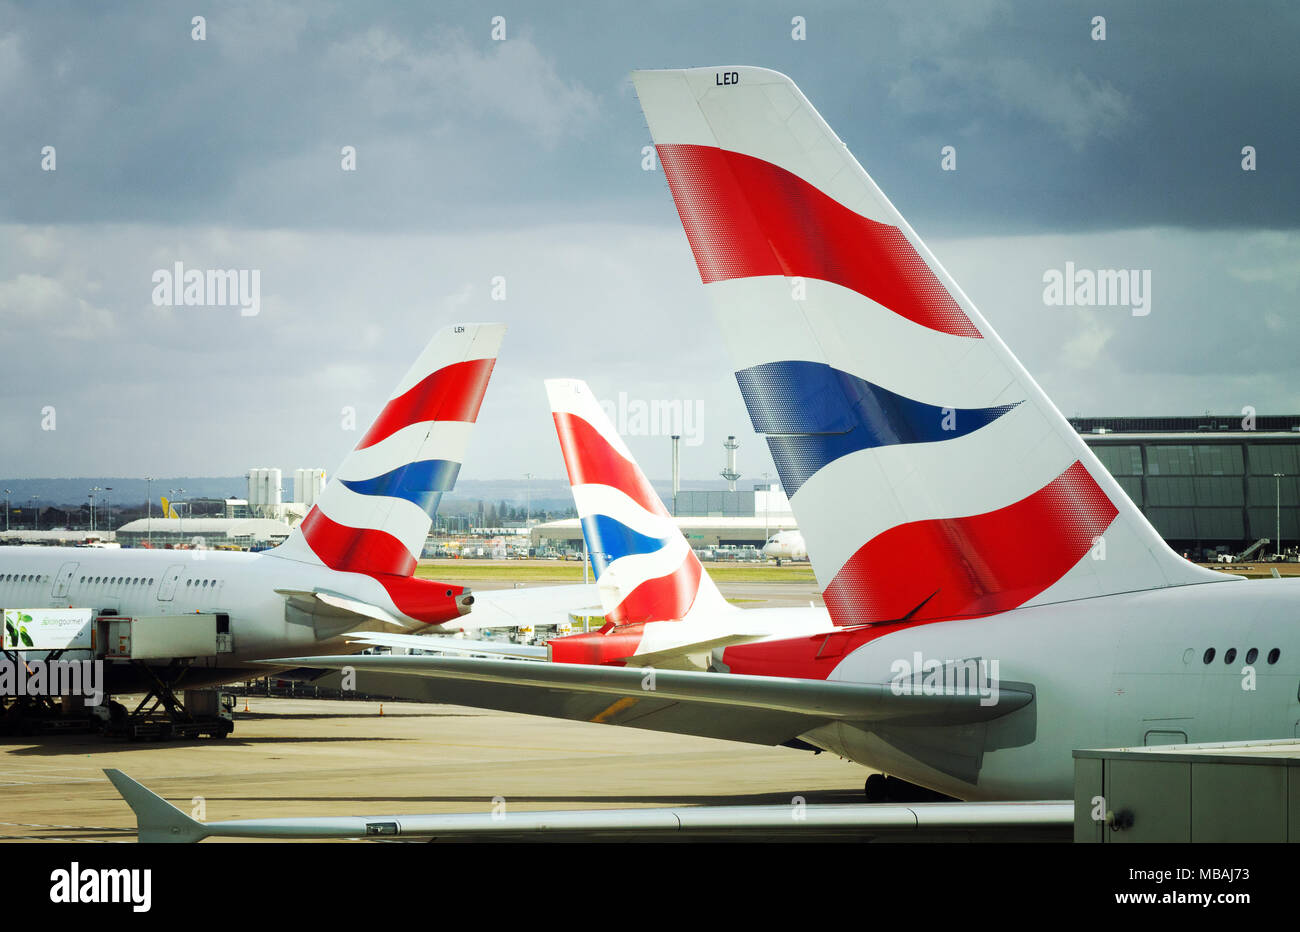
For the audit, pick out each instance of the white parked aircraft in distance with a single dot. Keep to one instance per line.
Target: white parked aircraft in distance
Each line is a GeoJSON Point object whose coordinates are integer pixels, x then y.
{"type": "Point", "coordinates": [1000, 601]}
{"type": "Point", "coordinates": [785, 545]}
{"type": "Point", "coordinates": [348, 565]}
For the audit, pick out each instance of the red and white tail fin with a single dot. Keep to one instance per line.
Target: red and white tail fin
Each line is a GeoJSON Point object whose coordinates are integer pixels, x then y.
{"type": "Point", "coordinates": [373, 516]}
{"type": "Point", "coordinates": [902, 427]}
{"type": "Point", "coordinates": [645, 569]}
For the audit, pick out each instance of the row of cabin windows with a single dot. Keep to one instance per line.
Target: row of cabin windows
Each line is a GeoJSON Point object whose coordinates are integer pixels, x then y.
{"type": "Point", "coordinates": [109, 580]}
{"type": "Point", "coordinates": [1230, 655]}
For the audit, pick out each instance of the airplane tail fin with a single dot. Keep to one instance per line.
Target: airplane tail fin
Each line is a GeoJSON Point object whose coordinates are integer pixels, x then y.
{"type": "Point", "coordinates": [373, 516]}
{"type": "Point", "coordinates": [168, 510]}
{"type": "Point", "coordinates": [645, 569]}
{"type": "Point", "coordinates": [156, 819]}
{"type": "Point", "coordinates": [901, 426]}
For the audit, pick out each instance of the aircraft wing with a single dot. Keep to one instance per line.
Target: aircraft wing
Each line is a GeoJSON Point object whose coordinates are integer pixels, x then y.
{"type": "Point", "coordinates": [159, 821]}
{"type": "Point", "coordinates": [756, 709]}
{"type": "Point", "coordinates": [449, 645]}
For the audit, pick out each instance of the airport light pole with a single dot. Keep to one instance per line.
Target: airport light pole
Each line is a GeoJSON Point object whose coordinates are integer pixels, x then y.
{"type": "Point", "coordinates": [148, 504]}
{"type": "Point", "coordinates": [8, 492]}
{"type": "Point", "coordinates": [34, 500]}
{"type": "Point", "coordinates": [108, 505]}
{"type": "Point", "coordinates": [1277, 488]}
{"type": "Point", "coordinates": [92, 507]}
{"type": "Point", "coordinates": [180, 524]}
{"type": "Point", "coordinates": [767, 506]}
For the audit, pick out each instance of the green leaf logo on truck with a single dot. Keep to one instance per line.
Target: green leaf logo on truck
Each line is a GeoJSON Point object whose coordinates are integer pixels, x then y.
{"type": "Point", "coordinates": [16, 635]}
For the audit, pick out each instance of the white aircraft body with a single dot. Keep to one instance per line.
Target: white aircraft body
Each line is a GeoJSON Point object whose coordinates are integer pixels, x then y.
{"type": "Point", "coordinates": [999, 600]}
{"type": "Point", "coordinates": [348, 565]}
{"type": "Point", "coordinates": [785, 545]}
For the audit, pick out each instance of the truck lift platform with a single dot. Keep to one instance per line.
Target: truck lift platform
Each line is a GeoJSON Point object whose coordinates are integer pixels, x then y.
{"type": "Point", "coordinates": [160, 649]}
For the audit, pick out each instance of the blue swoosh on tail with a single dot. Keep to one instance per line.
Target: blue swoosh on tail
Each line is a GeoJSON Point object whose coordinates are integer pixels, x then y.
{"type": "Point", "coordinates": [609, 540]}
{"type": "Point", "coordinates": [814, 414]}
{"type": "Point", "coordinates": [422, 483]}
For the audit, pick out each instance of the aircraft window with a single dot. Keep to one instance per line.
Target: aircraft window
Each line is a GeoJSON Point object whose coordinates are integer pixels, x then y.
{"type": "Point", "coordinates": [151, 580]}
{"type": "Point", "coordinates": [1209, 655]}
{"type": "Point", "coordinates": [1252, 654]}
{"type": "Point", "coordinates": [1273, 655]}
{"type": "Point", "coordinates": [83, 579]}
{"type": "Point", "coordinates": [1230, 655]}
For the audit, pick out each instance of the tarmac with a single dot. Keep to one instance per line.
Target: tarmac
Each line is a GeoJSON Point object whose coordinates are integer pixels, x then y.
{"type": "Point", "coordinates": [318, 757]}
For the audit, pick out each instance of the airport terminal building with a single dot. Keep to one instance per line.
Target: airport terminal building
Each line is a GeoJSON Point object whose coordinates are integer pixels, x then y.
{"type": "Point", "coordinates": [1206, 484]}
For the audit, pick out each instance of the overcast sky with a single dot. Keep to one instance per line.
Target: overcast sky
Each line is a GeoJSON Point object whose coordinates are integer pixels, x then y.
{"type": "Point", "coordinates": [522, 158]}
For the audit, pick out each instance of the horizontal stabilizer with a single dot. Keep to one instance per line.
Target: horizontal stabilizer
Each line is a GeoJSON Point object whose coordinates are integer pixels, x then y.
{"type": "Point", "coordinates": [450, 645]}
{"type": "Point", "coordinates": [328, 604]}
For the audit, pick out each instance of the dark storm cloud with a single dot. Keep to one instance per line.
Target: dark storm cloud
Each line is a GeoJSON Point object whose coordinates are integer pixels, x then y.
{"type": "Point", "coordinates": [1053, 130]}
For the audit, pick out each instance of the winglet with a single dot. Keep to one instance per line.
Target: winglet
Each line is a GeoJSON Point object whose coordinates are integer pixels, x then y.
{"type": "Point", "coordinates": [156, 819]}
